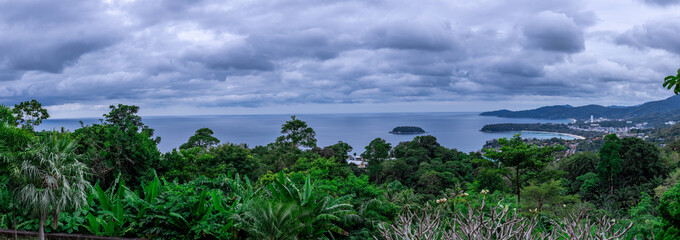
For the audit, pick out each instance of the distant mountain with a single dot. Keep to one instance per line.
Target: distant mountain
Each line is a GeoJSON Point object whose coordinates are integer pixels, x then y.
{"type": "Point", "coordinates": [667, 108]}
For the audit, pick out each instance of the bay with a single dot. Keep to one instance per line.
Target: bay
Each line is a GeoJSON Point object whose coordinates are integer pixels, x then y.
{"type": "Point", "coordinates": [458, 130]}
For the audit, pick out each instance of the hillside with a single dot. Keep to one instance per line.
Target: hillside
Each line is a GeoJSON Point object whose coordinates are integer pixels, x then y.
{"type": "Point", "coordinates": [665, 109]}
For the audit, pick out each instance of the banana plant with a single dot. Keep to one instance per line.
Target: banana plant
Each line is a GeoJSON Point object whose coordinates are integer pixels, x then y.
{"type": "Point", "coordinates": [111, 220]}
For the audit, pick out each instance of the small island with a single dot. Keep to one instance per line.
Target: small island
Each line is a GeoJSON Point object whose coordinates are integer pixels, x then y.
{"type": "Point", "coordinates": [407, 130]}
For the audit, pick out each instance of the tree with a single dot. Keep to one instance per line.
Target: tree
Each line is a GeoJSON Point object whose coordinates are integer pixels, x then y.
{"type": "Point", "coordinates": [29, 114]}
{"type": "Point", "coordinates": [577, 165]}
{"type": "Point", "coordinates": [201, 139]}
{"type": "Point", "coordinates": [297, 134]}
{"type": "Point", "coordinates": [673, 82]}
{"type": "Point", "coordinates": [610, 161]}
{"type": "Point", "coordinates": [231, 158]}
{"type": "Point", "coordinates": [120, 145]}
{"type": "Point", "coordinates": [376, 151]}
{"type": "Point", "coordinates": [517, 158]}
{"type": "Point", "coordinates": [124, 116]}
{"type": "Point", "coordinates": [341, 151]}
{"type": "Point", "coordinates": [51, 179]}
{"type": "Point", "coordinates": [640, 162]}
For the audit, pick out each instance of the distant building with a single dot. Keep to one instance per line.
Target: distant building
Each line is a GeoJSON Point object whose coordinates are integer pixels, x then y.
{"type": "Point", "coordinates": [357, 160]}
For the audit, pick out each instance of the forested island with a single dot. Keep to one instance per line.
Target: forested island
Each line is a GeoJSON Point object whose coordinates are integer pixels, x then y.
{"type": "Point", "coordinates": [541, 127]}
{"type": "Point", "coordinates": [407, 130]}
{"type": "Point", "coordinates": [110, 179]}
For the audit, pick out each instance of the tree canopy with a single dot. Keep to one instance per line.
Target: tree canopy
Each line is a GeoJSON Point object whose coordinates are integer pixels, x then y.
{"type": "Point", "coordinates": [29, 114]}
{"type": "Point", "coordinates": [203, 138]}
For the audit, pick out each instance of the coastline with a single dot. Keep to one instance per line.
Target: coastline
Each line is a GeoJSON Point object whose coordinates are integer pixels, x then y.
{"type": "Point", "coordinates": [567, 134]}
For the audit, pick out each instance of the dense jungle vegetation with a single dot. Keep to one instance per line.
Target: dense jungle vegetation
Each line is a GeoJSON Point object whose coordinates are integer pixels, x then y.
{"type": "Point", "coordinates": [110, 179]}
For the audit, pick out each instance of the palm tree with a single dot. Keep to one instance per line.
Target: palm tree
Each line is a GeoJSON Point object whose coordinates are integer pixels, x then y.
{"type": "Point", "coordinates": [51, 179]}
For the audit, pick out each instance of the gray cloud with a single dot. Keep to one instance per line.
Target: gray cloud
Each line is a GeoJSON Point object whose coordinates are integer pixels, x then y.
{"type": "Point", "coordinates": [554, 32]}
{"type": "Point", "coordinates": [662, 2]}
{"type": "Point", "coordinates": [48, 36]}
{"type": "Point", "coordinates": [212, 53]}
{"type": "Point", "coordinates": [659, 35]}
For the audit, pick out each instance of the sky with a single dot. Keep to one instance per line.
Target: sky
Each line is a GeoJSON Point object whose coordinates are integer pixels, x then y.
{"type": "Point", "coordinates": [176, 57]}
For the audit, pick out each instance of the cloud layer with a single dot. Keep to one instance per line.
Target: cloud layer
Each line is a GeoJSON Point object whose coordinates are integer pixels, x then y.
{"type": "Point", "coordinates": [76, 55]}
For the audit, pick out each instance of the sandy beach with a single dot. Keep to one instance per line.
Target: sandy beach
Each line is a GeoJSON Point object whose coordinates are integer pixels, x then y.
{"type": "Point", "coordinates": [568, 134]}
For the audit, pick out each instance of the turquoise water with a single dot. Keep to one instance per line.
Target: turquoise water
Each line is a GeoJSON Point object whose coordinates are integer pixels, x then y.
{"type": "Point", "coordinates": [452, 130]}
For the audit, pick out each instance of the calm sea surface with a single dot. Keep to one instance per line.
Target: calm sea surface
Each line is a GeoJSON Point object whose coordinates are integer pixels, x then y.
{"type": "Point", "coordinates": [452, 130]}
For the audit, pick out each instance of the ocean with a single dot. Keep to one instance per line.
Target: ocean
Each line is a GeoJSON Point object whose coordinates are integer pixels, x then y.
{"type": "Point", "coordinates": [457, 130]}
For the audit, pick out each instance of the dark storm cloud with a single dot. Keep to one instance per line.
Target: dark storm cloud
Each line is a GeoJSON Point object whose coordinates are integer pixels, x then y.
{"type": "Point", "coordinates": [410, 35]}
{"type": "Point", "coordinates": [242, 53]}
{"type": "Point", "coordinates": [48, 36]}
{"type": "Point", "coordinates": [554, 32]}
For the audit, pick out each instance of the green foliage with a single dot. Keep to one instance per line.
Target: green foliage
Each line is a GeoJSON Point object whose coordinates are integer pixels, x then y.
{"type": "Point", "coordinates": [339, 151]}
{"type": "Point", "coordinates": [232, 158]}
{"type": "Point", "coordinates": [6, 115]}
{"type": "Point", "coordinates": [519, 160]}
{"type": "Point", "coordinates": [51, 179]}
{"type": "Point", "coordinates": [645, 217]}
{"type": "Point", "coordinates": [669, 209]}
{"type": "Point", "coordinates": [546, 197]}
{"type": "Point", "coordinates": [673, 82]}
{"type": "Point", "coordinates": [318, 195]}
{"type": "Point", "coordinates": [376, 151]}
{"type": "Point", "coordinates": [577, 165]}
{"type": "Point", "coordinates": [188, 164]}
{"type": "Point", "coordinates": [112, 218]}
{"type": "Point", "coordinates": [610, 162]}
{"type": "Point", "coordinates": [641, 162]}
{"type": "Point", "coordinates": [185, 164]}
{"type": "Point", "coordinates": [13, 141]}
{"type": "Point", "coordinates": [316, 215]}
{"type": "Point", "coordinates": [201, 139]}
{"type": "Point", "coordinates": [29, 114]}
{"type": "Point", "coordinates": [120, 145]}
{"type": "Point", "coordinates": [297, 134]}
{"type": "Point", "coordinates": [589, 185]}
{"type": "Point", "coordinates": [673, 178]}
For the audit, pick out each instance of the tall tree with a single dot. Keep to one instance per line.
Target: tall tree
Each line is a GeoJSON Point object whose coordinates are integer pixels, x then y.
{"type": "Point", "coordinates": [29, 114]}
{"type": "Point", "coordinates": [203, 138]}
{"type": "Point", "coordinates": [51, 179]}
{"type": "Point", "coordinates": [297, 134]}
{"type": "Point", "coordinates": [640, 162]}
{"type": "Point", "coordinates": [610, 161]}
{"type": "Point", "coordinates": [124, 116]}
{"type": "Point", "coordinates": [376, 151]}
{"type": "Point", "coordinates": [120, 145]}
{"type": "Point", "coordinates": [517, 159]}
